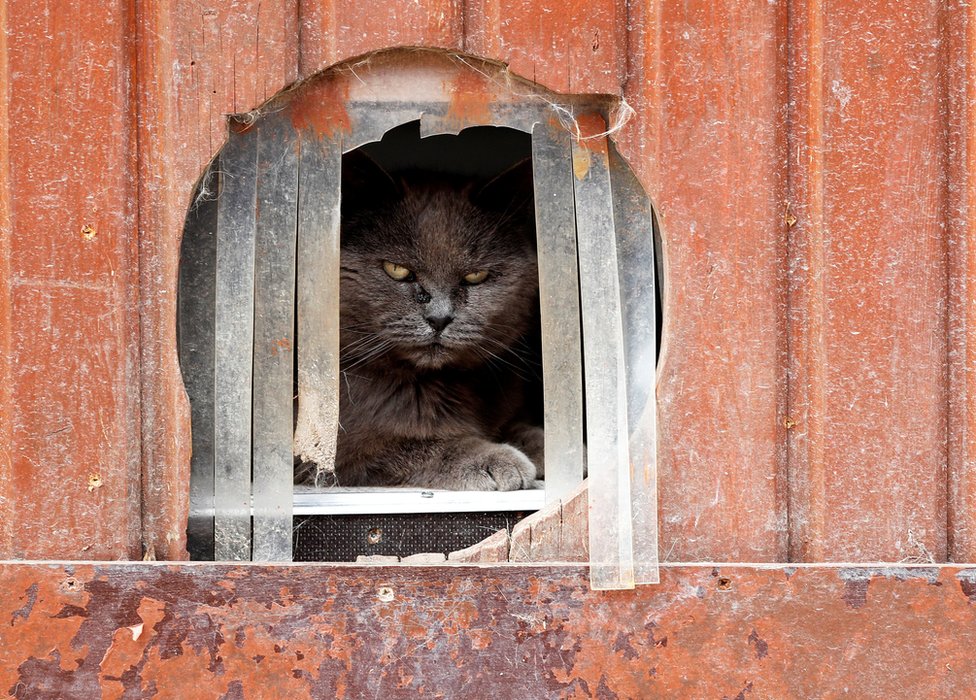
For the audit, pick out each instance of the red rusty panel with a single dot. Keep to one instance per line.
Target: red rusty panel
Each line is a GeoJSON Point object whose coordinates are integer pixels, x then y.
{"type": "Point", "coordinates": [196, 66]}
{"type": "Point", "coordinates": [87, 631]}
{"type": "Point", "coordinates": [851, 321]}
{"type": "Point", "coordinates": [576, 46]}
{"type": "Point", "coordinates": [959, 26]}
{"type": "Point", "coordinates": [334, 31]}
{"type": "Point", "coordinates": [708, 85]}
{"type": "Point", "coordinates": [868, 289]}
{"type": "Point", "coordinates": [6, 318]}
{"type": "Point", "coordinates": [70, 335]}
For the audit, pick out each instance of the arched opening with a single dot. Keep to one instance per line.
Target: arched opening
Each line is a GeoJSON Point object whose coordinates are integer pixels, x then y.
{"type": "Point", "coordinates": [262, 260]}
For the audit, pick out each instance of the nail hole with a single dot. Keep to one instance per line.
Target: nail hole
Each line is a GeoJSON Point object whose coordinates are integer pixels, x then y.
{"type": "Point", "coordinates": [724, 584]}
{"type": "Point", "coordinates": [384, 593]}
{"type": "Point", "coordinates": [88, 232]}
{"type": "Point", "coordinates": [71, 585]}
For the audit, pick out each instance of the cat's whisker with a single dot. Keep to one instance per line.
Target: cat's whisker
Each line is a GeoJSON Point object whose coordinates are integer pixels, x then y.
{"type": "Point", "coordinates": [510, 350]}
{"type": "Point", "coordinates": [360, 353]}
{"type": "Point", "coordinates": [359, 342]}
{"type": "Point", "coordinates": [493, 357]}
{"type": "Point", "coordinates": [373, 353]}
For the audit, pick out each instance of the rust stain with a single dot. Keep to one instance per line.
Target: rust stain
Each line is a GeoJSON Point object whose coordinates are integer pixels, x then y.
{"type": "Point", "coordinates": [856, 592]}
{"type": "Point", "coordinates": [281, 345]}
{"type": "Point", "coordinates": [169, 631]}
{"type": "Point", "coordinates": [591, 130]}
{"type": "Point", "coordinates": [321, 108]}
{"type": "Point", "coordinates": [470, 99]}
{"type": "Point", "coordinates": [590, 142]}
{"type": "Point", "coordinates": [967, 584]}
{"type": "Point", "coordinates": [762, 647]}
{"type": "Point", "coordinates": [581, 162]}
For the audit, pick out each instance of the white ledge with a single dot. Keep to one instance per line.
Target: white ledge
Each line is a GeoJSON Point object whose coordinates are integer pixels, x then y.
{"type": "Point", "coordinates": [373, 501]}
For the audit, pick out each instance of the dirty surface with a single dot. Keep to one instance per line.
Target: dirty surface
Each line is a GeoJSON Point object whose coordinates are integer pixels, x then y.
{"type": "Point", "coordinates": [178, 631]}
{"type": "Point", "coordinates": [814, 172]}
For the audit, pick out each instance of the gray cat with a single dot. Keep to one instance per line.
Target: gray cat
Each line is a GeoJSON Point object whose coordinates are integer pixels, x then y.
{"type": "Point", "coordinates": [439, 332]}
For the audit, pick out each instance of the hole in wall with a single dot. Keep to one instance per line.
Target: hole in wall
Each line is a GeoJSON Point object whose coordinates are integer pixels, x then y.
{"type": "Point", "coordinates": [477, 152]}
{"type": "Point", "coordinates": [458, 167]}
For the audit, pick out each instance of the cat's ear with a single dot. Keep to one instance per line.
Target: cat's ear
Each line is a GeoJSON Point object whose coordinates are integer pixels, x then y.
{"type": "Point", "coordinates": [364, 181]}
{"type": "Point", "coordinates": [509, 191]}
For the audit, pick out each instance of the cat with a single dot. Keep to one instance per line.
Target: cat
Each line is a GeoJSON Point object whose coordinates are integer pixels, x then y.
{"type": "Point", "coordinates": [439, 384]}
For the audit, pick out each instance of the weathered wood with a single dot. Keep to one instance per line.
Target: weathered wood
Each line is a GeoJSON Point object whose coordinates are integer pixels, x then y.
{"type": "Point", "coordinates": [492, 549]}
{"type": "Point", "coordinates": [6, 316]}
{"type": "Point", "coordinates": [707, 80]}
{"type": "Point", "coordinates": [958, 25]}
{"type": "Point", "coordinates": [425, 559]}
{"type": "Point", "coordinates": [575, 46]}
{"type": "Point", "coordinates": [335, 31]}
{"type": "Point", "coordinates": [710, 85]}
{"type": "Point", "coordinates": [868, 288]}
{"type": "Point", "coordinates": [557, 533]}
{"type": "Point", "coordinates": [196, 65]}
{"type": "Point", "coordinates": [69, 335]}
{"type": "Point", "coordinates": [84, 631]}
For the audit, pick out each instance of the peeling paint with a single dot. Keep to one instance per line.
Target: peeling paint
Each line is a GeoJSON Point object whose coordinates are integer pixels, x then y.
{"type": "Point", "coordinates": [321, 631]}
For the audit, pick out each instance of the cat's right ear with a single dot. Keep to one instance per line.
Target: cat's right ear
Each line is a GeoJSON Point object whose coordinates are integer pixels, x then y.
{"type": "Point", "coordinates": [365, 182]}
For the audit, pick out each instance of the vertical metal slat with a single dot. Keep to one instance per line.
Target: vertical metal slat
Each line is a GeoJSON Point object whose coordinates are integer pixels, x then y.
{"type": "Point", "coordinates": [234, 317]}
{"type": "Point", "coordinates": [318, 299]}
{"type": "Point", "coordinates": [552, 159]}
{"type": "Point", "coordinates": [636, 271]}
{"type": "Point", "coordinates": [608, 463]}
{"type": "Point", "coordinates": [274, 304]}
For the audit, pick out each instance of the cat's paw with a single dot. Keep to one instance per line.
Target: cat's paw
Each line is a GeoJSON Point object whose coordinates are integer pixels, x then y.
{"type": "Point", "coordinates": [497, 468]}
{"type": "Point", "coordinates": [530, 440]}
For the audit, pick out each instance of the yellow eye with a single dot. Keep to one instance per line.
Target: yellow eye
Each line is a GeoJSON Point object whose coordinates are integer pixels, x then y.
{"type": "Point", "coordinates": [397, 272]}
{"type": "Point", "coordinates": [476, 277]}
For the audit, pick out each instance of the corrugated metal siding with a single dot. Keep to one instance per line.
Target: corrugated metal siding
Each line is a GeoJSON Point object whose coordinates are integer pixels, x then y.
{"type": "Point", "coordinates": [812, 371]}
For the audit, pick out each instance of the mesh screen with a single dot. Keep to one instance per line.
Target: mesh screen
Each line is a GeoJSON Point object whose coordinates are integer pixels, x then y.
{"type": "Point", "coordinates": [344, 537]}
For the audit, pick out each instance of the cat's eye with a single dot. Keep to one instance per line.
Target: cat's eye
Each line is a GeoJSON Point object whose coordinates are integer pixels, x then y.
{"type": "Point", "coordinates": [398, 272]}
{"type": "Point", "coordinates": [476, 277]}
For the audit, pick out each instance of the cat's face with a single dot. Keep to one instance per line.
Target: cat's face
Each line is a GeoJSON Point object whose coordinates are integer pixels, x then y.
{"type": "Point", "coordinates": [434, 276]}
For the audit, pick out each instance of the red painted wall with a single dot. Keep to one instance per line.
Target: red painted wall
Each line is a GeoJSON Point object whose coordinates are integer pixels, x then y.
{"type": "Point", "coordinates": [813, 172]}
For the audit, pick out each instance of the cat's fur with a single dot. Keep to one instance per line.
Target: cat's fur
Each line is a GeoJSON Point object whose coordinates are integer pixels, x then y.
{"type": "Point", "coordinates": [456, 407]}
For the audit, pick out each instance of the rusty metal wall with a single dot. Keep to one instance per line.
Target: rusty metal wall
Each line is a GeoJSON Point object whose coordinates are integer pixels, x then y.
{"type": "Point", "coordinates": [164, 631]}
{"type": "Point", "coordinates": [813, 173]}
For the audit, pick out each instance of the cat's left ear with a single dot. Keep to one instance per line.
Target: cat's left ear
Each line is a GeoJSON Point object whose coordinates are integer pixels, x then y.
{"type": "Point", "coordinates": [509, 191]}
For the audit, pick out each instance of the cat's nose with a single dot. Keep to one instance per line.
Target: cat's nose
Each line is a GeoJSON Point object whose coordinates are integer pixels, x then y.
{"type": "Point", "coordinates": [439, 322]}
